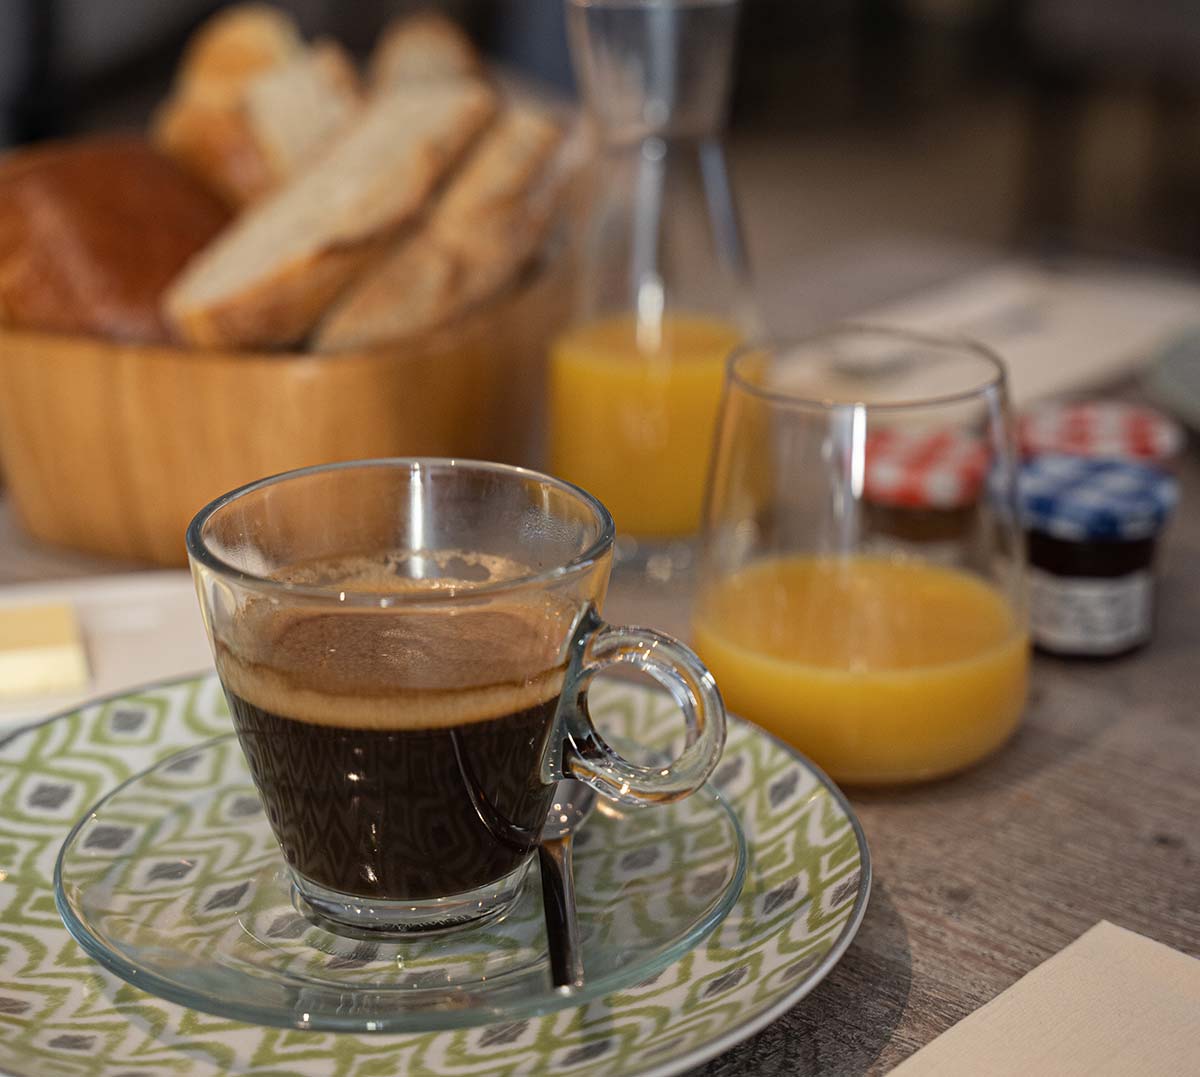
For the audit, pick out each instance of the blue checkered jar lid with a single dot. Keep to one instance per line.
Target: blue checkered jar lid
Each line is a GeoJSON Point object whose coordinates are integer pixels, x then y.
{"type": "Point", "coordinates": [1079, 499]}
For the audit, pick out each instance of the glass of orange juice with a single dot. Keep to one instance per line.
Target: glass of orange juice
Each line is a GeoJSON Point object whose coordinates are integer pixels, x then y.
{"type": "Point", "coordinates": [861, 583]}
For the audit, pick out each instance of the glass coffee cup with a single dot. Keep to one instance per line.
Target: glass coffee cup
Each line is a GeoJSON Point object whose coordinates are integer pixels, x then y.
{"type": "Point", "coordinates": [406, 647]}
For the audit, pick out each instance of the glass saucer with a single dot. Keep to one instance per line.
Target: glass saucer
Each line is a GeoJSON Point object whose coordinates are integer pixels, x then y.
{"type": "Point", "coordinates": [175, 883]}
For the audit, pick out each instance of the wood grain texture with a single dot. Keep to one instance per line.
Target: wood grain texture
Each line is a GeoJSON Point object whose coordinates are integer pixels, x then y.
{"type": "Point", "coordinates": [1110, 1004]}
{"type": "Point", "coordinates": [1091, 812]}
{"type": "Point", "coordinates": [112, 449]}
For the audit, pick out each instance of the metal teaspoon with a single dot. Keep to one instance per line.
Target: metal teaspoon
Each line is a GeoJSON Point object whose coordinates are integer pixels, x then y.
{"type": "Point", "coordinates": [570, 806]}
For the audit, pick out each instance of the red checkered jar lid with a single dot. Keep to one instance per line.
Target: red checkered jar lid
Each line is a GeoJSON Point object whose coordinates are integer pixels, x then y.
{"type": "Point", "coordinates": [1103, 429]}
{"type": "Point", "coordinates": [926, 469]}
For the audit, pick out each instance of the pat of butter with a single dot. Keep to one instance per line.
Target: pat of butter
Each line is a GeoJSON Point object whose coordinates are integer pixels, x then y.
{"type": "Point", "coordinates": [40, 651]}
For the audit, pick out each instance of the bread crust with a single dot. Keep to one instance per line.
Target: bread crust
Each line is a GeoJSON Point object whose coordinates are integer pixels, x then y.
{"type": "Point", "coordinates": [484, 228]}
{"type": "Point", "coordinates": [269, 278]}
{"type": "Point", "coordinates": [93, 231]}
{"type": "Point", "coordinates": [214, 142]}
{"type": "Point", "coordinates": [252, 102]}
{"type": "Point", "coordinates": [234, 46]}
{"type": "Point", "coordinates": [294, 112]}
{"type": "Point", "coordinates": [422, 47]}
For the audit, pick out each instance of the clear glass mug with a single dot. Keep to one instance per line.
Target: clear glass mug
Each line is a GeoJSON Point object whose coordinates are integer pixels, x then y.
{"type": "Point", "coordinates": [862, 577]}
{"type": "Point", "coordinates": [406, 646]}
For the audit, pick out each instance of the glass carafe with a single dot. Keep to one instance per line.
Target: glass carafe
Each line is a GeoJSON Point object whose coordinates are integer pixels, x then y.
{"type": "Point", "coordinates": [663, 296]}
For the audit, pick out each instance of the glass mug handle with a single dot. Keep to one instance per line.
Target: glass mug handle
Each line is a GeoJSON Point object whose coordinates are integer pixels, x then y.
{"type": "Point", "coordinates": [589, 758]}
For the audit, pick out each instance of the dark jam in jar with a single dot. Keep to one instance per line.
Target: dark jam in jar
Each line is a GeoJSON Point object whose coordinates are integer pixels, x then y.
{"type": "Point", "coordinates": [922, 489]}
{"type": "Point", "coordinates": [1092, 530]}
{"type": "Point", "coordinates": [921, 525]}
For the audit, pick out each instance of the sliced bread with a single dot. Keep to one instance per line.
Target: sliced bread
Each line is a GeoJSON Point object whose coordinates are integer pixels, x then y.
{"type": "Point", "coordinates": [485, 226]}
{"type": "Point", "coordinates": [296, 109]}
{"type": "Point", "coordinates": [493, 215]}
{"type": "Point", "coordinates": [213, 142]}
{"type": "Point", "coordinates": [267, 280]}
{"type": "Point", "coordinates": [252, 103]}
{"type": "Point", "coordinates": [234, 46]}
{"type": "Point", "coordinates": [416, 287]}
{"type": "Point", "coordinates": [422, 47]}
{"type": "Point", "coordinates": [203, 125]}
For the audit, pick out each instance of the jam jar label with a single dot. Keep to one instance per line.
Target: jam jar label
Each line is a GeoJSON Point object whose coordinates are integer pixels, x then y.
{"type": "Point", "coordinates": [1090, 615]}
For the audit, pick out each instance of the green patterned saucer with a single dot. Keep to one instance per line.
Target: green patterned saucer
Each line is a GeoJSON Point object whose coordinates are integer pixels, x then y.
{"type": "Point", "coordinates": [175, 882]}
{"type": "Point", "coordinates": [61, 1013]}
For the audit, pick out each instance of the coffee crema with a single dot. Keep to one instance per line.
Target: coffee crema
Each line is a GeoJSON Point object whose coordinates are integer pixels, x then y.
{"type": "Point", "coordinates": [399, 752]}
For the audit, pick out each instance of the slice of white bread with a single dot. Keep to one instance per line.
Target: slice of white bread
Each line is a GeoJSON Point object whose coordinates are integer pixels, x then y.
{"type": "Point", "coordinates": [202, 125]}
{"type": "Point", "coordinates": [295, 109]}
{"type": "Point", "coordinates": [234, 46]}
{"type": "Point", "coordinates": [416, 287]}
{"type": "Point", "coordinates": [422, 47]}
{"type": "Point", "coordinates": [252, 103]}
{"type": "Point", "coordinates": [496, 217]}
{"type": "Point", "coordinates": [497, 178]}
{"type": "Point", "coordinates": [489, 221]}
{"type": "Point", "coordinates": [266, 280]}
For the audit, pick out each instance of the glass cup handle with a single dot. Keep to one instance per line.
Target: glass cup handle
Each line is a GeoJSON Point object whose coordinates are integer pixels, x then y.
{"type": "Point", "coordinates": [588, 756]}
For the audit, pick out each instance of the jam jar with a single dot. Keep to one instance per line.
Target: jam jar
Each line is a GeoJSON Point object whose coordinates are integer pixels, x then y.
{"type": "Point", "coordinates": [1092, 528]}
{"type": "Point", "coordinates": [921, 489]}
{"type": "Point", "coordinates": [1100, 429]}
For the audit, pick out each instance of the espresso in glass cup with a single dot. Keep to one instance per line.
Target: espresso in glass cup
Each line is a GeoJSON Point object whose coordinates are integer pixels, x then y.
{"type": "Point", "coordinates": [406, 647]}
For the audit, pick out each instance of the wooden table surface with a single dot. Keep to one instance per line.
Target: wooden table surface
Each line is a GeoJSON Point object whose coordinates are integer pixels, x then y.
{"type": "Point", "coordinates": [1092, 812]}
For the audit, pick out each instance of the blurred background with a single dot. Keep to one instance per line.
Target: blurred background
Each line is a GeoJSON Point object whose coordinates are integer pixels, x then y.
{"type": "Point", "coordinates": [910, 137]}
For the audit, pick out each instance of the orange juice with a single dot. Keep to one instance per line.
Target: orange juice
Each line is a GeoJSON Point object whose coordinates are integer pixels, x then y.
{"type": "Point", "coordinates": [631, 421]}
{"type": "Point", "coordinates": [880, 670]}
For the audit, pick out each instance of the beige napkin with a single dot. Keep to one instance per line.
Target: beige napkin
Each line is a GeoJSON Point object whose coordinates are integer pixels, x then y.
{"type": "Point", "coordinates": [1059, 331]}
{"type": "Point", "coordinates": [1111, 1003]}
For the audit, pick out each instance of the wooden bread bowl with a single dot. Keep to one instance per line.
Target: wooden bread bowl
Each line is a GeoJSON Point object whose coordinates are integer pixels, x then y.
{"type": "Point", "coordinates": [111, 448]}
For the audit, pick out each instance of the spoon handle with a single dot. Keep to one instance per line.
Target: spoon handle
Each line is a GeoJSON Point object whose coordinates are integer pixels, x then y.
{"type": "Point", "coordinates": [558, 900]}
